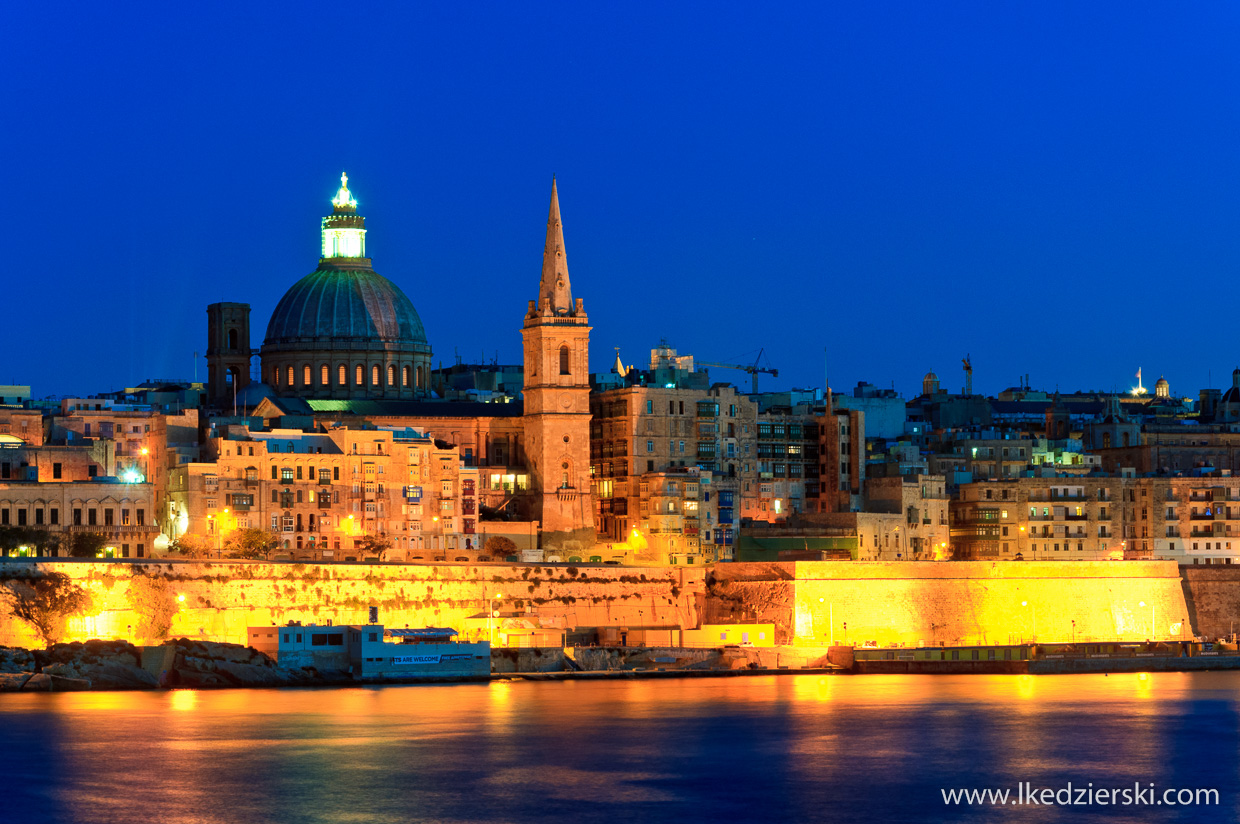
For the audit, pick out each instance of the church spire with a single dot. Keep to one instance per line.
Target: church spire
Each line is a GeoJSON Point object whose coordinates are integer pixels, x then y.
{"type": "Point", "coordinates": [555, 286]}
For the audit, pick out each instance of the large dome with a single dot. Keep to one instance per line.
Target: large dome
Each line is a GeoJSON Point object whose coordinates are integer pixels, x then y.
{"type": "Point", "coordinates": [343, 308]}
{"type": "Point", "coordinates": [344, 331]}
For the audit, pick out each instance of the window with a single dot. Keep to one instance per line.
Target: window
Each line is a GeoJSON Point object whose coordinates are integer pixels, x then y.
{"type": "Point", "coordinates": [404, 376]}
{"type": "Point", "coordinates": [359, 376]}
{"type": "Point", "coordinates": [564, 359]}
{"type": "Point", "coordinates": [649, 407]}
{"type": "Point", "coordinates": [649, 446]}
{"type": "Point", "coordinates": [374, 375]}
{"type": "Point", "coordinates": [290, 376]}
{"type": "Point", "coordinates": [56, 471]}
{"type": "Point", "coordinates": [286, 474]}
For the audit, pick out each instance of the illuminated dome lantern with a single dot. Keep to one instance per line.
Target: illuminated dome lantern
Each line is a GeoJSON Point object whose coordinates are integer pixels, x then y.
{"type": "Point", "coordinates": [1162, 389]}
{"type": "Point", "coordinates": [930, 384]}
{"type": "Point", "coordinates": [344, 331]}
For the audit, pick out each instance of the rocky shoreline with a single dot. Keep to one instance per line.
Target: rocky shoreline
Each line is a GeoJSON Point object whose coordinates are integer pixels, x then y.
{"type": "Point", "coordinates": [119, 665]}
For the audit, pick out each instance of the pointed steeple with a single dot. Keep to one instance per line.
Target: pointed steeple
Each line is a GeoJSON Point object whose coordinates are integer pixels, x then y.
{"type": "Point", "coordinates": [555, 285]}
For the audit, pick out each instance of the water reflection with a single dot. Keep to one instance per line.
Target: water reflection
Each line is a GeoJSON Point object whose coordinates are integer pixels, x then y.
{"type": "Point", "coordinates": [750, 748]}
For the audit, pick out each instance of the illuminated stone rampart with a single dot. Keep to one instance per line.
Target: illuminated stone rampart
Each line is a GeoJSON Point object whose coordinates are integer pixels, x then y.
{"type": "Point", "coordinates": [222, 599]}
{"type": "Point", "coordinates": [954, 603]}
{"type": "Point", "coordinates": [808, 602]}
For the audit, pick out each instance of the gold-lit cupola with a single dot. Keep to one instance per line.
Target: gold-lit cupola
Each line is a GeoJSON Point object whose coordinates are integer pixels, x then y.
{"type": "Point", "coordinates": [344, 230]}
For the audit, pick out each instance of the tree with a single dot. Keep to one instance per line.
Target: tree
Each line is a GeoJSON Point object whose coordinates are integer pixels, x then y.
{"type": "Point", "coordinates": [499, 547]}
{"type": "Point", "coordinates": [250, 543]}
{"type": "Point", "coordinates": [13, 538]}
{"type": "Point", "coordinates": [190, 546]}
{"type": "Point", "coordinates": [46, 602]}
{"type": "Point", "coordinates": [372, 545]}
{"type": "Point", "coordinates": [87, 544]}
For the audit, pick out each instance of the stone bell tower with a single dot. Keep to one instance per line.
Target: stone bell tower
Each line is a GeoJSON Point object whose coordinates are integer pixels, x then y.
{"type": "Point", "coordinates": [556, 335]}
{"type": "Point", "coordinates": [228, 352]}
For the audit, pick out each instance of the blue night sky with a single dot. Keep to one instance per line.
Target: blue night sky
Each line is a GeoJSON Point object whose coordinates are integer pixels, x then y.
{"type": "Point", "coordinates": [1051, 188]}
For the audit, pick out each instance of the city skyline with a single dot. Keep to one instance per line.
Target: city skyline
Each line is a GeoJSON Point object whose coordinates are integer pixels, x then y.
{"type": "Point", "coordinates": [773, 188]}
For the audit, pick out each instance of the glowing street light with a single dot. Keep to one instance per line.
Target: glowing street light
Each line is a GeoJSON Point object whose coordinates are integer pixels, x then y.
{"type": "Point", "coordinates": [1035, 620]}
{"type": "Point", "coordinates": [492, 614]}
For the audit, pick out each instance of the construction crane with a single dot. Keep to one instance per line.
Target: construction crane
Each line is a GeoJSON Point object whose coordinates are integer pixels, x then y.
{"type": "Point", "coordinates": [752, 370]}
{"type": "Point", "coordinates": [968, 374]}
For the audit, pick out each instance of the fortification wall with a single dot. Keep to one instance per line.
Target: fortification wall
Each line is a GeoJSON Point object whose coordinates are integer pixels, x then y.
{"type": "Point", "coordinates": [217, 601]}
{"type": "Point", "coordinates": [809, 603]}
{"type": "Point", "coordinates": [1213, 597]}
{"type": "Point", "coordinates": [967, 602]}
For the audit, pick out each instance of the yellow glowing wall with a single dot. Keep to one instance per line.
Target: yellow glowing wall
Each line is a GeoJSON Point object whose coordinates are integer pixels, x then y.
{"type": "Point", "coordinates": [722, 635]}
{"type": "Point", "coordinates": [978, 602]}
{"type": "Point", "coordinates": [221, 600]}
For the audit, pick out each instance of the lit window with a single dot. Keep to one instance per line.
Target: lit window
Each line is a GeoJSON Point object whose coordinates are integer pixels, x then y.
{"type": "Point", "coordinates": [305, 376]}
{"type": "Point", "coordinates": [325, 375]}
{"type": "Point", "coordinates": [290, 376]}
{"type": "Point", "coordinates": [374, 375]}
{"type": "Point", "coordinates": [359, 376]}
{"type": "Point", "coordinates": [404, 377]}
{"type": "Point", "coordinates": [391, 375]}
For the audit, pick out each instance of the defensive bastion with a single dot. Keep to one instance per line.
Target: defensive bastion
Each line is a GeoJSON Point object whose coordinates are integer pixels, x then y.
{"type": "Point", "coordinates": [809, 602]}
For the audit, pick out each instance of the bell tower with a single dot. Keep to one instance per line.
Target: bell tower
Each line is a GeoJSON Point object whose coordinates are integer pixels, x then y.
{"type": "Point", "coordinates": [228, 352]}
{"type": "Point", "coordinates": [556, 337]}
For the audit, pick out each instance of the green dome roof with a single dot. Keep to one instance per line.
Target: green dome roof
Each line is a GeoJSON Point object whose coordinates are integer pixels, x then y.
{"type": "Point", "coordinates": [345, 307]}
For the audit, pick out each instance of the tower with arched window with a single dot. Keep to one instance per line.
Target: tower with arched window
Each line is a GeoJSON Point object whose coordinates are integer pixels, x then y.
{"type": "Point", "coordinates": [556, 337]}
{"type": "Point", "coordinates": [228, 351]}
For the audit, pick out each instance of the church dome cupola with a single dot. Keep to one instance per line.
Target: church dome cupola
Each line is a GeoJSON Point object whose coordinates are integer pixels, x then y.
{"type": "Point", "coordinates": [344, 331]}
{"type": "Point", "coordinates": [344, 230]}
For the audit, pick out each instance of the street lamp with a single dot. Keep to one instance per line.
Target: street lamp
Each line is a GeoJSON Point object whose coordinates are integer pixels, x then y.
{"type": "Point", "coordinates": [1035, 620]}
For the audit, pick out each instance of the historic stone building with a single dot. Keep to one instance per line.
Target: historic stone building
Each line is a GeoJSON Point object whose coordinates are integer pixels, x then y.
{"type": "Point", "coordinates": [557, 398]}
{"type": "Point", "coordinates": [346, 346]}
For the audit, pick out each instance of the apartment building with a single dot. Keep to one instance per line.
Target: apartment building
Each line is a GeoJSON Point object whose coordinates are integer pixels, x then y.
{"type": "Point", "coordinates": [687, 515]}
{"type": "Point", "coordinates": [1194, 520]}
{"type": "Point", "coordinates": [924, 503]}
{"type": "Point", "coordinates": [320, 492]}
{"type": "Point", "coordinates": [637, 430]}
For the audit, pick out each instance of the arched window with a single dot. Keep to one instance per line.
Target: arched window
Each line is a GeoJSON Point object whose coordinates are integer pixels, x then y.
{"type": "Point", "coordinates": [374, 375]}
{"type": "Point", "coordinates": [305, 376]}
{"type": "Point", "coordinates": [404, 377]}
{"type": "Point", "coordinates": [1126, 439]}
{"type": "Point", "coordinates": [232, 338]}
{"type": "Point", "coordinates": [391, 375]}
{"type": "Point", "coordinates": [421, 376]}
{"type": "Point", "coordinates": [325, 375]}
{"type": "Point", "coordinates": [342, 376]}
{"type": "Point", "coordinates": [290, 376]}
{"type": "Point", "coordinates": [1106, 440]}
{"type": "Point", "coordinates": [564, 359]}
{"type": "Point", "coordinates": [359, 376]}
{"type": "Point", "coordinates": [275, 376]}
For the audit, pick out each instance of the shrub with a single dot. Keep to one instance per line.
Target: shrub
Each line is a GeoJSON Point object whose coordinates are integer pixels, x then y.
{"type": "Point", "coordinates": [153, 602]}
